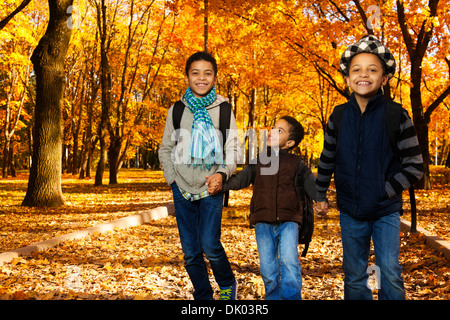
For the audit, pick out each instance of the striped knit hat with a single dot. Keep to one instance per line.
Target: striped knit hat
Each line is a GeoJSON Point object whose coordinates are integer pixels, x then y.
{"type": "Point", "coordinates": [368, 44]}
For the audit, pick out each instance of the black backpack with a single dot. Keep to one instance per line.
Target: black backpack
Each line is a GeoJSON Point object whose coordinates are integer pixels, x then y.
{"type": "Point", "coordinates": [393, 119]}
{"type": "Point", "coordinates": [224, 120]}
{"type": "Point", "coordinates": [306, 229]}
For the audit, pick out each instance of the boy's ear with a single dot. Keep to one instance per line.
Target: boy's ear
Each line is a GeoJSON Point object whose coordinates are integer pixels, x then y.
{"type": "Point", "coordinates": [290, 143]}
{"type": "Point", "coordinates": [384, 80]}
{"type": "Point", "coordinates": [347, 81]}
{"type": "Point", "coordinates": [186, 80]}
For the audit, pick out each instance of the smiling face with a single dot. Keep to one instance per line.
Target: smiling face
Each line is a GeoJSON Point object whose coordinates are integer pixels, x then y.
{"type": "Point", "coordinates": [366, 75]}
{"type": "Point", "coordinates": [201, 78]}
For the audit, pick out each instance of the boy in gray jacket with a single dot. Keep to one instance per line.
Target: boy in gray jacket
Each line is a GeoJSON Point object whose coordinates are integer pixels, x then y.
{"type": "Point", "coordinates": [190, 157]}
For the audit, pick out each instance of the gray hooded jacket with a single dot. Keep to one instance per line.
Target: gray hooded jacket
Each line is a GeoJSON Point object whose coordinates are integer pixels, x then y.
{"type": "Point", "coordinates": [174, 155]}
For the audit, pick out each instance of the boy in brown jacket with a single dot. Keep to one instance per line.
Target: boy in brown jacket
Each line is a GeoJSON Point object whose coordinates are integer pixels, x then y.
{"type": "Point", "coordinates": [275, 209]}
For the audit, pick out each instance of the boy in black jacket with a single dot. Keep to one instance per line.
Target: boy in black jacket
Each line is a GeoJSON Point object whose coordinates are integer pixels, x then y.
{"type": "Point", "coordinates": [276, 210]}
{"type": "Point", "coordinates": [370, 172]}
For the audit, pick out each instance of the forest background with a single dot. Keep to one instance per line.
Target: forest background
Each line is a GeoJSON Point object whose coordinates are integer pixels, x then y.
{"type": "Point", "coordinates": [124, 67]}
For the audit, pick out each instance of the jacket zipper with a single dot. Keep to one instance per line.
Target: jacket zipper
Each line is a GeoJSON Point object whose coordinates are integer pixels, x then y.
{"type": "Point", "coordinates": [358, 163]}
{"type": "Point", "coordinates": [276, 192]}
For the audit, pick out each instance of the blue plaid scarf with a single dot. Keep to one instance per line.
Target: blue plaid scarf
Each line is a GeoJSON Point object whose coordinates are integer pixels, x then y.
{"type": "Point", "coordinates": [205, 149]}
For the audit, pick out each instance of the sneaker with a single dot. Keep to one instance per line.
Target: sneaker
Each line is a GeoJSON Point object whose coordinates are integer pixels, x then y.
{"type": "Point", "coordinates": [228, 293]}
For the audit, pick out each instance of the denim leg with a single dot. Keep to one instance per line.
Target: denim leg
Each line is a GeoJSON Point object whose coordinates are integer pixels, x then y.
{"type": "Point", "coordinates": [291, 277]}
{"type": "Point", "coordinates": [188, 217]}
{"type": "Point", "coordinates": [386, 241]}
{"type": "Point", "coordinates": [268, 259]}
{"type": "Point", "coordinates": [356, 236]}
{"type": "Point", "coordinates": [279, 263]}
{"type": "Point", "coordinates": [210, 231]}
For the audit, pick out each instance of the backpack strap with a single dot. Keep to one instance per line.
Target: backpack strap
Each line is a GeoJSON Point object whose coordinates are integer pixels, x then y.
{"type": "Point", "coordinates": [178, 110]}
{"type": "Point", "coordinates": [299, 181]}
{"type": "Point", "coordinates": [338, 114]}
{"type": "Point", "coordinates": [393, 119]}
{"type": "Point", "coordinates": [224, 121]}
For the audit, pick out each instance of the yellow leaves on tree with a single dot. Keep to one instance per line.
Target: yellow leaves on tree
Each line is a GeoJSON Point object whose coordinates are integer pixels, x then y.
{"type": "Point", "coordinates": [275, 58]}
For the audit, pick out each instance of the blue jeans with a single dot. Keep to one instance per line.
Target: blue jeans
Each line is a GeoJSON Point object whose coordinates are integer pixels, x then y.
{"type": "Point", "coordinates": [385, 234]}
{"type": "Point", "coordinates": [199, 224]}
{"type": "Point", "coordinates": [278, 257]}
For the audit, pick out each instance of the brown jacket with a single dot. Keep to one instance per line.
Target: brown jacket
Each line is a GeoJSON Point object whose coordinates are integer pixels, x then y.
{"type": "Point", "coordinates": [274, 197]}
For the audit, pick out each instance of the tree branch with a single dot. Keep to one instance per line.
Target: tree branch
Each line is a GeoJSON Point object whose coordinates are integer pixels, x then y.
{"type": "Point", "coordinates": [439, 99]}
{"type": "Point", "coordinates": [435, 104]}
{"type": "Point", "coordinates": [363, 15]}
{"type": "Point", "coordinates": [5, 21]}
{"type": "Point", "coordinates": [410, 46]}
{"type": "Point", "coordinates": [347, 19]}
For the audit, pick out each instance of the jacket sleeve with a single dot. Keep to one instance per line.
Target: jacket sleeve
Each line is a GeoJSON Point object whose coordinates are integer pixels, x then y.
{"type": "Point", "coordinates": [411, 158]}
{"type": "Point", "coordinates": [326, 161]}
{"type": "Point", "coordinates": [242, 179]}
{"type": "Point", "coordinates": [310, 186]}
{"type": "Point", "coordinates": [308, 180]}
{"type": "Point", "coordinates": [166, 148]}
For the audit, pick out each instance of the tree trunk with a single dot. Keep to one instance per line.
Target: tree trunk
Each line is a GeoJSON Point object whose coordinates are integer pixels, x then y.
{"type": "Point", "coordinates": [417, 47]}
{"type": "Point", "coordinates": [12, 166]}
{"type": "Point", "coordinates": [6, 157]}
{"type": "Point", "coordinates": [102, 161]}
{"type": "Point", "coordinates": [251, 137]}
{"type": "Point", "coordinates": [447, 162]}
{"type": "Point", "coordinates": [88, 139]}
{"type": "Point", "coordinates": [105, 80]}
{"type": "Point", "coordinates": [76, 156]}
{"type": "Point", "coordinates": [44, 184]}
{"type": "Point", "coordinates": [11, 125]}
{"type": "Point", "coordinates": [113, 157]}
{"type": "Point", "coordinates": [421, 129]}
{"type": "Point", "coordinates": [83, 158]}
{"type": "Point", "coordinates": [205, 26]}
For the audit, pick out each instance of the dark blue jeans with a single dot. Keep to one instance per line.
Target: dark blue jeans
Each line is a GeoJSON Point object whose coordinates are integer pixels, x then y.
{"type": "Point", "coordinates": [199, 226]}
{"type": "Point", "coordinates": [385, 234]}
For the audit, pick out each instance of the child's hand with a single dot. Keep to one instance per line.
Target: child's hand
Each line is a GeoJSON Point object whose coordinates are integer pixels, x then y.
{"type": "Point", "coordinates": [321, 209]}
{"type": "Point", "coordinates": [214, 183]}
{"type": "Point", "coordinates": [214, 187]}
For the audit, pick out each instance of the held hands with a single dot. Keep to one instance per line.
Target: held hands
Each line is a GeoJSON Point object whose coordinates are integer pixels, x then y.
{"type": "Point", "coordinates": [214, 183]}
{"type": "Point", "coordinates": [321, 209]}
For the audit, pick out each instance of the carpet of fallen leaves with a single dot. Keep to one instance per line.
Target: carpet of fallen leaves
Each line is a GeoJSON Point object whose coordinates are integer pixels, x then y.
{"type": "Point", "coordinates": [146, 262]}
{"type": "Point", "coordinates": [433, 206]}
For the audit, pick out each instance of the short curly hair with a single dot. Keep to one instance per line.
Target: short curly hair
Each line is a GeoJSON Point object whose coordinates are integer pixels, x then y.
{"type": "Point", "coordinates": [296, 133]}
{"type": "Point", "coordinates": [199, 56]}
